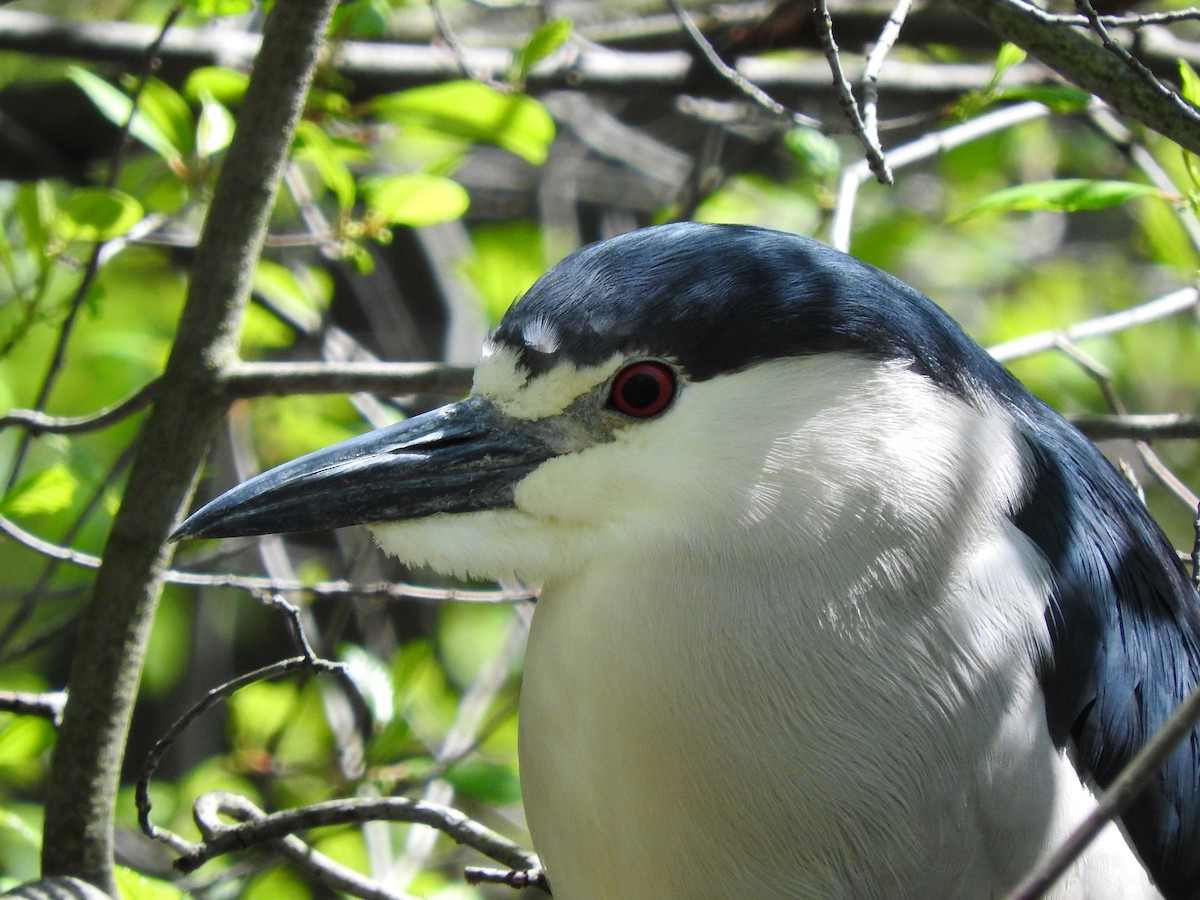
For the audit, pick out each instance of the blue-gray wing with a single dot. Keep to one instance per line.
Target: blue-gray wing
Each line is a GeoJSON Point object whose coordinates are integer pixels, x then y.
{"type": "Point", "coordinates": [1125, 630]}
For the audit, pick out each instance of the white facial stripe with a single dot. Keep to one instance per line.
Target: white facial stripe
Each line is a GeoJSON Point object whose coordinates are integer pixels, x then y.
{"type": "Point", "coordinates": [500, 378]}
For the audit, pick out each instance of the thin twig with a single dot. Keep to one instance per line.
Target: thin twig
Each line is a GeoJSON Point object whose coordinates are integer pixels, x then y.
{"type": "Point", "coordinates": [387, 379]}
{"type": "Point", "coordinates": [37, 422]}
{"type": "Point", "coordinates": [180, 725]}
{"type": "Point", "coordinates": [221, 838]}
{"type": "Point", "coordinates": [870, 145]}
{"type": "Point", "coordinates": [1159, 308]}
{"type": "Point", "coordinates": [1116, 799]}
{"type": "Point", "coordinates": [1100, 373]}
{"type": "Point", "coordinates": [1144, 427]}
{"type": "Point", "coordinates": [47, 705]}
{"type": "Point", "coordinates": [732, 75]}
{"type": "Point", "coordinates": [513, 878]}
{"type": "Point", "coordinates": [1135, 65]}
{"type": "Point", "coordinates": [1195, 557]}
{"type": "Point", "coordinates": [326, 589]}
{"type": "Point", "coordinates": [856, 174]}
{"type": "Point", "coordinates": [870, 77]}
{"type": "Point", "coordinates": [1140, 20]}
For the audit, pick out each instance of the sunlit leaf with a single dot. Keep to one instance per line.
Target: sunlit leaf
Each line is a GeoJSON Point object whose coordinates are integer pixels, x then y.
{"type": "Point", "coordinates": [818, 152]}
{"type": "Point", "coordinates": [224, 85]}
{"type": "Point", "coordinates": [1059, 98]}
{"type": "Point", "coordinates": [115, 106]}
{"type": "Point", "coordinates": [1189, 83]}
{"type": "Point", "coordinates": [548, 38]}
{"type": "Point", "coordinates": [1067, 195]}
{"type": "Point", "coordinates": [170, 114]}
{"type": "Point", "coordinates": [1009, 55]}
{"type": "Point", "coordinates": [136, 886]}
{"type": "Point", "coordinates": [211, 8]}
{"type": "Point", "coordinates": [476, 112]}
{"type": "Point", "coordinates": [49, 491]}
{"type": "Point", "coordinates": [97, 214]}
{"type": "Point", "coordinates": [415, 199]}
{"type": "Point", "coordinates": [485, 782]}
{"type": "Point", "coordinates": [315, 146]}
{"type": "Point", "coordinates": [373, 682]}
{"type": "Point", "coordinates": [214, 127]}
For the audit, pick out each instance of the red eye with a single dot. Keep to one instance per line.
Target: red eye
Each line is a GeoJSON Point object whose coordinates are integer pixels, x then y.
{"type": "Point", "coordinates": [643, 389]}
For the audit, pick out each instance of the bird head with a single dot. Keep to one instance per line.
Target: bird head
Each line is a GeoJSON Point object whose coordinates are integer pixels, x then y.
{"type": "Point", "coordinates": [645, 381]}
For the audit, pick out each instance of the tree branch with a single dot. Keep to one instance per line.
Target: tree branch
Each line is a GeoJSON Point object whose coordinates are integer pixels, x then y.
{"type": "Point", "coordinates": [1089, 65]}
{"type": "Point", "coordinates": [115, 626]}
{"type": "Point", "coordinates": [220, 838]}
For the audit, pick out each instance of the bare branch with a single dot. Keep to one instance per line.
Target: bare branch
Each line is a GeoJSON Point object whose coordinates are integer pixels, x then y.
{"type": "Point", "coordinates": [1159, 308]}
{"type": "Point", "coordinates": [387, 379]}
{"type": "Point", "coordinates": [220, 838]}
{"type": "Point", "coordinates": [46, 706]}
{"type": "Point", "coordinates": [180, 725]}
{"type": "Point", "coordinates": [854, 176]}
{"type": "Point", "coordinates": [37, 422]}
{"type": "Point", "coordinates": [870, 76]}
{"type": "Point", "coordinates": [329, 589]}
{"type": "Point", "coordinates": [1088, 65]}
{"type": "Point", "coordinates": [870, 143]}
{"type": "Point", "coordinates": [1114, 801]}
{"type": "Point", "coordinates": [1165, 426]}
{"type": "Point", "coordinates": [732, 75]}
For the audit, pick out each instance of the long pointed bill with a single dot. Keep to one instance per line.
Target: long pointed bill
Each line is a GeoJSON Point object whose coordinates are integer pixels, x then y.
{"type": "Point", "coordinates": [461, 458]}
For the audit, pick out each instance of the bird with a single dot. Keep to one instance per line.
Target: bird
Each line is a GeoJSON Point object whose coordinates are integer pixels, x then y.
{"type": "Point", "coordinates": [830, 605]}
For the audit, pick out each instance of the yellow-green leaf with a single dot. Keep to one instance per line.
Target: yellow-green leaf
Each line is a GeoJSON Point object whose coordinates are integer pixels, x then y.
{"type": "Point", "coordinates": [97, 214]}
{"type": "Point", "coordinates": [116, 106]}
{"type": "Point", "coordinates": [316, 147]}
{"type": "Point", "coordinates": [548, 38]}
{"type": "Point", "coordinates": [475, 112]}
{"type": "Point", "coordinates": [214, 128]}
{"type": "Point", "coordinates": [170, 114]}
{"type": "Point", "coordinates": [1189, 83]}
{"type": "Point", "coordinates": [415, 199]}
{"type": "Point", "coordinates": [224, 85]}
{"type": "Point", "coordinates": [49, 491]}
{"type": "Point", "coordinates": [1066, 195]}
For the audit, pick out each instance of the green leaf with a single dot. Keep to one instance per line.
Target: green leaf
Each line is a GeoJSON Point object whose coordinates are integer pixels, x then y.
{"type": "Point", "coordinates": [214, 127]}
{"type": "Point", "coordinates": [97, 214]}
{"type": "Point", "coordinates": [170, 114]}
{"type": "Point", "coordinates": [1067, 195]}
{"type": "Point", "coordinates": [316, 147]}
{"type": "Point", "coordinates": [818, 152]}
{"type": "Point", "coordinates": [548, 38]}
{"type": "Point", "coordinates": [475, 112]}
{"type": "Point", "coordinates": [49, 491]}
{"type": "Point", "coordinates": [37, 210]}
{"type": "Point", "coordinates": [210, 8]}
{"type": "Point", "coordinates": [1189, 83]}
{"type": "Point", "coordinates": [1059, 98]}
{"type": "Point", "coordinates": [1010, 55]}
{"type": "Point", "coordinates": [116, 107]}
{"type": "Point", "coordinates": [134, 885]}
{"type": "Point", "coordinates": [415, 199]}
{"type": "Point", "coordinates": [486, 782]}
{"type": "Point", "coordinates": [224, 85]}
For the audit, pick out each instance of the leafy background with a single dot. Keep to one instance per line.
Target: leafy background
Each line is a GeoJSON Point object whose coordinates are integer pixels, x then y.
{"type": "Point", "coordinates": [411, 217]}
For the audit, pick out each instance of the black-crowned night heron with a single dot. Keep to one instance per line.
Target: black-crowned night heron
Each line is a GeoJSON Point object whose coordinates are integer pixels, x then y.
{"type": "Point", "coordinates": [831, 606]}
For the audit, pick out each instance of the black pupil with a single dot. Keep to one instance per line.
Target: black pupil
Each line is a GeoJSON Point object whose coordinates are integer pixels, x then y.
{"type": "Point", "coordinates": [640, 390]}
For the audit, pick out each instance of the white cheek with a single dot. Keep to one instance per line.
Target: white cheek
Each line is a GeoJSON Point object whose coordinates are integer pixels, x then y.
{"type": "Point", "coordinates": [493, 545]}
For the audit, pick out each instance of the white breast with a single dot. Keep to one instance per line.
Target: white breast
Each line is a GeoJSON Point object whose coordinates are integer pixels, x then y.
{"type": "Point", "coordinates": [831, 693]}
